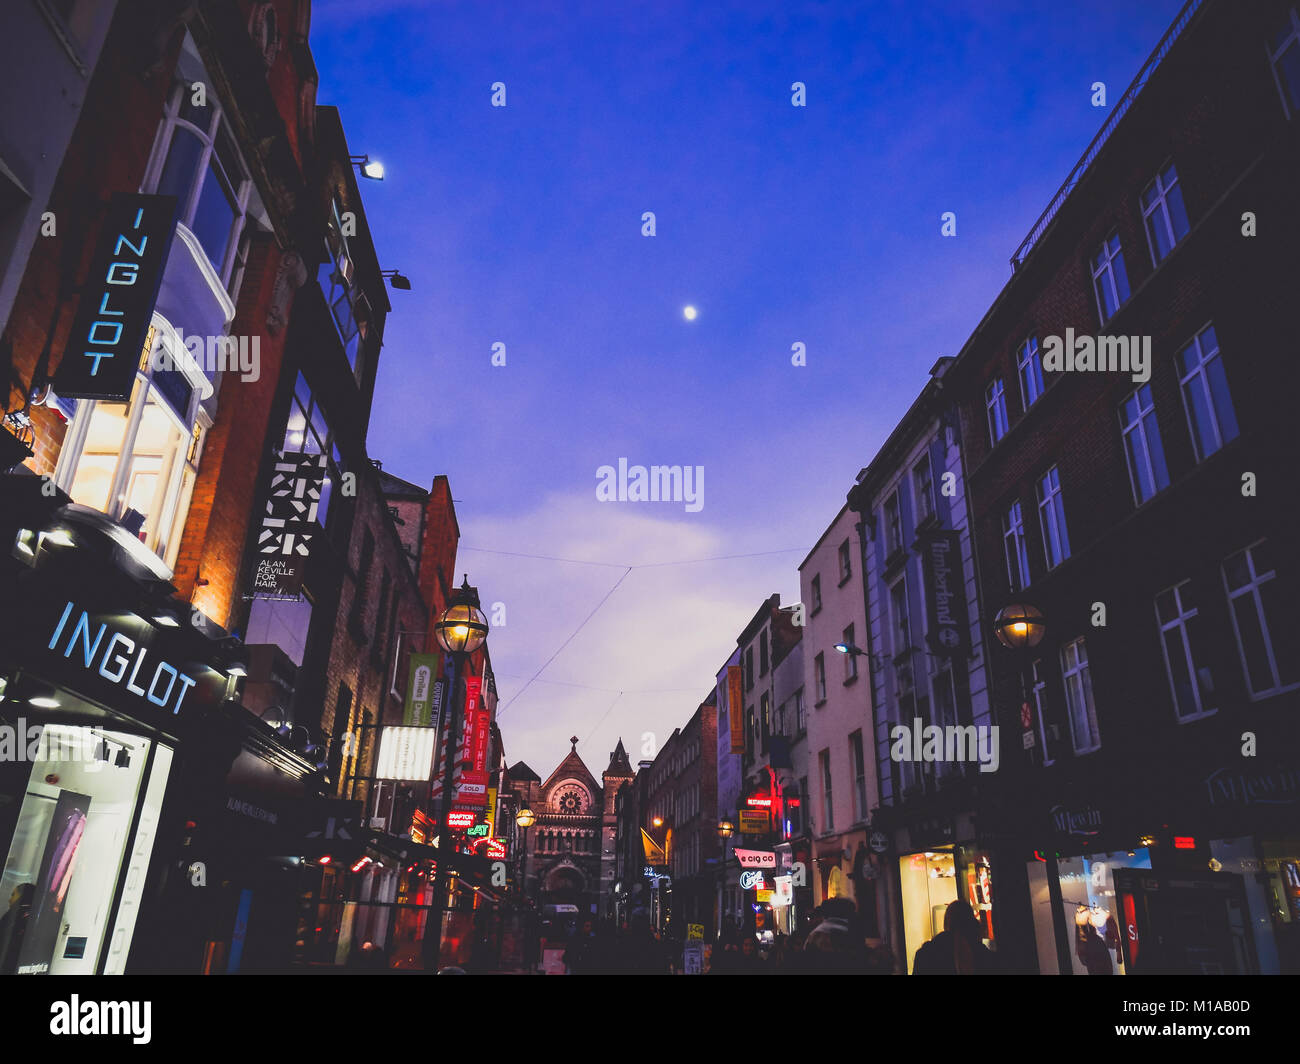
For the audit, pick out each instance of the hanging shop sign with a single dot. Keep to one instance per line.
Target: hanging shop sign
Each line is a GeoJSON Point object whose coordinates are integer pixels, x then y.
{"type": "Point", "coordinates": [736, 708]}
{"type": "Point", "coordinates": [1085, 821]}
{"type": "Point", "coordinates": [108, 333]}
{"type": "Point", "coordinates": [473, 785]}
{"type": "Point", "coordinates": [423, 693]}
{"type": "Point", "coordinates": [406, 754]}
{"type": "Point", "coordinates": [756, 858]}
{"type": "Point", "coordinates": [289, 524]}
{"type": "Point", "coordinates": [751, 879]}
{"type": "Point", "coordinates": [945, 593]}
{"type": "Point", "coordinates": [755, 821]}
{"type": "Point", "coordinates": [460, 819]}
{"type": "Point", "coordinates": [1269, 785]}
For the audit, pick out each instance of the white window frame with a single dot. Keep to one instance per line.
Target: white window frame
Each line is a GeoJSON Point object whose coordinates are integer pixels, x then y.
{"type": "Point", "coordinates": [1137, 429]}
{"type": "Point", "coordinates": [924, 504]}
{"type": "Point", "coordinates": [893, 518]}
{"type": "Point", "coordinates": [169, 531]}
{"type": "Point", "coordinates": [1014, 539]}
{"type": "Point", "coordinates": [1161, 205]}
{"type": "Point", "coordinates": [1184, 614]}
{"type": "Point", "coordinates": [1199, 372]}
{"type": "Point", "coordinates": [1040, 707]}
{"type": "Point", "coordinates": [850, 659]}
{"type": "Point", "coordinates": [1103, 271]}
{"type": "Point", "coordinates": [846, 561]}
{"type": "Point", "coordinates": [819, 676]}
{"type": "Point", "coordinates": [1257, 580]}
{"type": "Point", "coordinates": [815, 587]}
{"type": "Point", "coordinates": [1081, 670]}
{"type": "Point", "coordinates": [944, 678]}
{"type": "Point", "coordinates": [1051, 517]}
{"type": "Point", "coordinates": [230, 269]}
{"type": "Point", "coordinates": [1274, 54]}
{"type": "Point", "coordinates": [858, 753]}
{"type": "Point", "coordinates": [1029, 370]}
{"type": "Point", "coordinates": [828, 795]}
{"type": "Point", "coordinates": [895, 628]}
{"type": "Point", "coordinates": [995, 407]}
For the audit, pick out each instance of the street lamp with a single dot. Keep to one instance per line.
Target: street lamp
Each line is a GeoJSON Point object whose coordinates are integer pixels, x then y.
{"type": "Point", "coordinates": [461, 630]}
{"type": "Point", "coordinates": [525, 819]}
{"type": "Point", "coordinates": [371, 168]}
{"type": "Point", "coordinates": [658, 821]}
{"type": "Point", "coordinates": [726, 829]}
{"type": "Point", "coordinates": [397, 279]}
{"type": "Point", "coordinates": [1019, 626]}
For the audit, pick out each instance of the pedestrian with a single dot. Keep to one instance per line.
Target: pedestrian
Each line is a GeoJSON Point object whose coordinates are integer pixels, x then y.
{"type": "Point", "coordinates": [835, 942]}
{"type": "Point", "coordinates": [750, 963]}
{"type": "Point", "coordinates": [580, 956]}
{"type": "Point", "coordinates": [957, 949]}
{"type": "Point", "coordinates": [726, 957]}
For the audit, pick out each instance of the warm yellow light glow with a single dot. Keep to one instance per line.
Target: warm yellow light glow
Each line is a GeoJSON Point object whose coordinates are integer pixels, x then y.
{"type": "Point", "coordinates": [461, 631]}
{"type": "Point", "coordinates": [689, 313]}
{"type": "Point", "coordinates": [658, 822]}
{"type": "Point", "coordinates": [1020, 628]}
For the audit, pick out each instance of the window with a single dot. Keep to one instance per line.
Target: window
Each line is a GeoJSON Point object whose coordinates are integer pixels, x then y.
{"type": "Point", "coordinates": [762, 652]}
{"type": "Point", "coordinates": [995, 400]}
{"type": "Point", "coordinates": [307, 431]}
{"type": "Point", "coordinates": [819, 673]}
{"type": "Point", "coordinates": [945, 713]}
{"type": "Point", "coordinates": [923, 488]}
{"type": "Point", "coordinates": [1266, 634]}
{"type": "Point", "coordinates": [348, 308]}
{"type": "Point", "coordinates": [1163, 214]}
{"type": "Point", "coordinates": [845, 569]}
{"type": "Point", "coordinates": [1040, 706]}
{"type": "Point", "coordinates": [1029, 367]}
{"type": "Point", "coordinates": [381, 620]}
{"type": "Point", "coordinates": [1147, 472]}
{"type": "Point", "coordinates": [138, 462]}
{"type": "Point", "coordinates": [751, 736]}
{"type": "Point", "coordinates": [765, 713]}
{"type": "Point", "coordinates": [828, 812]}
{"type": "Point", "coordinates": [1181, 641]}
{"type": "Point", "coordinates": [1284, 54]}
{"type": "Point", "coordinates": [902, 625]}
{"type": "Point", "coordinates": [816, 593]}
{"type": "Point", "coordinates": [850, 659]}
{"type": "Point", "coordinates": [859, 776]}
{"type": "Point", "coordinates": [1109, 278]}
{"type": "Point", "coordinates": [1208, 406]}
{"type": "Point", "coordinates": [1078, 697]}
{"type": "Point", "coordinates": [800, 718]}
{"type": "Point", "coordinates": [1015, 548]}
{"type": "Point", "coordinates": [893, 526]}
{"type": "Point", "coordinates": [781, 719]}
{"type": "Point", "coordinates": [1051, 516]}
{"type": "Point", "coordinates": [196, 161]}
{"type": "Point", "coordinates": [749, 668]}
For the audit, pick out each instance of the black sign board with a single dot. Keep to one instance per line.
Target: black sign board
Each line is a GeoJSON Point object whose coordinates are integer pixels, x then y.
{"type": "Point", "coordinates": [108, 334]}
{"type": "Point", "coordinates": [289, 523]}
{"type": "Point", "coordinates": [945, 593]}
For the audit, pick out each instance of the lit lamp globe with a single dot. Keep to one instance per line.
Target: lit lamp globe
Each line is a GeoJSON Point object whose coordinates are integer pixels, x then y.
{"type": "Point", "coordinates": [726, 829]}
{"type": "Point", "coordinates": [461, 629]}
{"type": "Point", "coordinates": [525, 818]}
{"type": "Point", "coordinates": [1019, 626]}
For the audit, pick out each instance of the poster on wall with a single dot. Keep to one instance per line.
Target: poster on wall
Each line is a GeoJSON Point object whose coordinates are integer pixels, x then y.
{"type": "Point", "coordinates": [289, 524]}
{"type": "Point", "coordinates": [49, 894]}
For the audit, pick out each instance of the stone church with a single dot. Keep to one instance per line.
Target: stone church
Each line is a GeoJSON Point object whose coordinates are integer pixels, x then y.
{"type": "Point", "coordinates": [571, 846]}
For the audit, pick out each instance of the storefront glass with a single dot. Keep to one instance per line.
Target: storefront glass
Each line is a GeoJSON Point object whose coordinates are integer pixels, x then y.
{"type": "Point", "coordinates": [1089, 912]}
{"type": "Point", "coordinates": [929, 885]}
{"type": "Point", "coordinates": [69, 841]}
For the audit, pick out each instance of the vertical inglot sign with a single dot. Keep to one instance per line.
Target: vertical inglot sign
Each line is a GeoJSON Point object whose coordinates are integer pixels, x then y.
{"type": "Point", "coordinates": [105, 345]}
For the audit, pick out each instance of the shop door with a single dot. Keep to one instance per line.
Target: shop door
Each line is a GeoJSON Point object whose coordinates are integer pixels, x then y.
{"type": "Point", "coordinates": [1193, 925]}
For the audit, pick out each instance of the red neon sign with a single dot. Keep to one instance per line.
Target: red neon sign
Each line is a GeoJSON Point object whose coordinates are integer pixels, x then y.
{"type": "Point", "coordinates": [1184, 842]}
{"type": "Point", "coordinates": [461, 821]}
{"type": "Point", "coordinates": [759, 803]}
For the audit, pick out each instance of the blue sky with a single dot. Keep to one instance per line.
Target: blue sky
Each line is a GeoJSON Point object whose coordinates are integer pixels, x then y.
{"type": "Point", "coordinates": [819, 225]}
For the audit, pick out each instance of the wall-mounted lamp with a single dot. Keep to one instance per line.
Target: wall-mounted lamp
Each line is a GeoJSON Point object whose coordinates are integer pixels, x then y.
{"type": "Point", "coordinates": [368, 167]}
{"type": "Point", "coordinates": [396, 279]}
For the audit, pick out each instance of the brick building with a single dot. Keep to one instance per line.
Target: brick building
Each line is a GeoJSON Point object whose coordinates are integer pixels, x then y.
{"type": "Point", "coordinates": [1143, 509]}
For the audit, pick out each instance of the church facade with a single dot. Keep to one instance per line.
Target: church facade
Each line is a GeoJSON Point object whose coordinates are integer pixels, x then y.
{"type": "Point", "coordinates": [570, 847]}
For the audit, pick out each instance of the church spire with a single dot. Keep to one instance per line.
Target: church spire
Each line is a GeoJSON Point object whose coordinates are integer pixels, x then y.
{"type": "Point", "coordinates": [619, 765]}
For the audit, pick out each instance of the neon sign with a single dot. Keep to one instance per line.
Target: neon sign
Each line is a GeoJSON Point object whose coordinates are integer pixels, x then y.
{"type": "Point", "coordinates": [751, 879]}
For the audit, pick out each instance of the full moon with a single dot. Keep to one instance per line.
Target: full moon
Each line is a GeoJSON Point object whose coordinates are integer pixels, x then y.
{"type": "Point", "coordinates": [689, 313]}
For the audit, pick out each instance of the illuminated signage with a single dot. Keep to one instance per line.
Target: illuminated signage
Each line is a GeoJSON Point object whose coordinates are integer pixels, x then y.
{"type": "Point", "coordinates": [289, 524]}
{"type": "Point", "coordinates": [751, 879]}
{"type": "Point", "coordinates": [460, 820]}
{"type": "Point", "coordinates": [759, 803]}
{"type": "Point", "coordinates": [755, 822]}
{"type": "Point", "coordinates": [406, 754]}
{"type": "Point", "coordinates": [473, 784]}
{"type": "Point", "coordinates": [108, 333]}
{"type": "Point", "coordinates": [1184, 842]}
{"type": "Point", "coordinates": [756, 858]}
{"type": "Point", "coordinates": [120, 660]}
{"type": "Point", "coordinates": [477, 831]}
{"type": "Point", "coordinates": [423, 695]}
{"type": "Point", "coordinates": [496, 849]}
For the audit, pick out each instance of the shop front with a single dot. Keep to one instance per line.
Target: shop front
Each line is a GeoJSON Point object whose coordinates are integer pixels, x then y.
{"type": "Point", "coordinates": [104, 684]}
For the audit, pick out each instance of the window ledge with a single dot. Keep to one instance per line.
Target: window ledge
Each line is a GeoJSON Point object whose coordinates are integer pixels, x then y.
{"type": "Point", "coordinates": [845, 579]}
{"type": "Point", "coordinates": [851, 680]}
{"type": "Point", "coordinates": [818, 705]}
{"type": "Point", "coordinates": [210, 274]}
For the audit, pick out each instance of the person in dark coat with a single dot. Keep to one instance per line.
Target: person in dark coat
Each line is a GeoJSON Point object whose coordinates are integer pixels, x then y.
{"type": "Point", "coordinates": [957, 949]}
{"type": "Point", "coordinates": [13, 926]}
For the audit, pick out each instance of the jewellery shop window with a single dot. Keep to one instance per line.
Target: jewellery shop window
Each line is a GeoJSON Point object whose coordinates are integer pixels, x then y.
{"type": "Point", "coordinates": [975, 887]}
{"type": "Point", "coordinates": [68, 847]}
{"type": "Point", "coordinates": [138, 461]}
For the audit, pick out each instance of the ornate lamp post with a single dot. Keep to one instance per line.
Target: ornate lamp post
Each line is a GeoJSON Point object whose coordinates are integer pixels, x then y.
{"type": "Point", "coordinates": [525, 819]}
{"type": "Point", "coordinates": [460, 631]}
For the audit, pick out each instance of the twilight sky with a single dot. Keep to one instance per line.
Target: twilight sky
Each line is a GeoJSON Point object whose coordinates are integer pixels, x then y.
{"type": "Point", "coordinates": [817, 225]}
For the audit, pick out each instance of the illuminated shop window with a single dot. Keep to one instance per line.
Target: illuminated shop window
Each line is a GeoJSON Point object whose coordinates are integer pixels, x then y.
{"type": "Point", "coordinates": [137, 462]}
